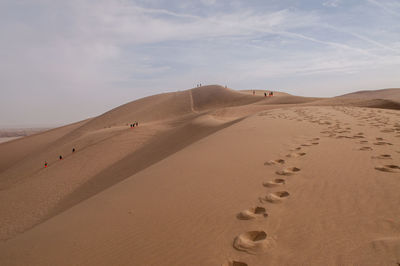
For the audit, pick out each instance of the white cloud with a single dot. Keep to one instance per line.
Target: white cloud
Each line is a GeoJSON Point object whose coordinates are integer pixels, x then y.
{"type": "Point", "coordinates": [209, 2]}
{"type": "Point", "coordinates": [331, 3]}
{"type": "Point", "coordinates": [390, 7]}
{"type": "Point", "coordinates": [87, 47]}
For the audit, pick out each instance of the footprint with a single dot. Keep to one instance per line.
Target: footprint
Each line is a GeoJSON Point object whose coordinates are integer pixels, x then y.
{"type": "Point", "coordinates": [379, 138]}
{"type": "Point", "coordinates": [253, 242]}
{"type": "Point", "coordinates": [252, 213]}
{"type": "Point", "coordinates": [288, 171]}
{"type": "Point", "coordinates": [234, 263]}
{"type": "Point", "coordinates": [365, 149]}
{"type": "Point", "coordinates": [277, 161]}
{"type": "Point", "coordinates": [295, 155]}
{"type": "Point", "coordinates": [314, 139]}
{"type": "Point", "coordinates": [382, 156]}
{"type": "Point", "coordinates": [363, 141]}
{"type": "Point", "coordinates": [315, 143]}
{"type": "Point", "coordinates": [390, 168]}
{"type": "Point", "coordinates": [343, 137]}
{"type": "Point", "coordinates": [276, 197]}
{"type": "Point", "coordinates": [274, 183]}
{"type": "Point", "coordinates": [306, 145]}
{"type": "Point", "coordinates": [381, 143]}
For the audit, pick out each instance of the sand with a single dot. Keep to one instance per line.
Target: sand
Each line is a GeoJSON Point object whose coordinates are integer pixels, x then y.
{"type": "Point", "coordinates": [210, 177]}
{"type": "Point", "coordinates": [5, 139]}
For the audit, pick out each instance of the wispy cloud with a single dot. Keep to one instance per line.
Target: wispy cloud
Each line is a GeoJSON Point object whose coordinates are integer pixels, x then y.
{"type": "Point", "coordinates": [136, 48]}
{"type": "Point", "coordinates": [331, 3]}
{"type": "Point", "coordinates": [390, 7]}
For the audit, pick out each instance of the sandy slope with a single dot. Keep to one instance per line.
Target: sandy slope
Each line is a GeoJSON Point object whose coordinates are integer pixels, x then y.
{"type": "Point", "coordinates": [385, 99]}
{"type": "Point", "coordinates": [6, 139]}
{"type": "Point", "coordinates": [325, 179]}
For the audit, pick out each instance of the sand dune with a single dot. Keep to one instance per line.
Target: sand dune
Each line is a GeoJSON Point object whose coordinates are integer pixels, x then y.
{"type": "Point", "coordinates": [387, 94]}
{"type": "Point", "coordinates": [385, 99]}
{"type": "Point", "coordinates": [210, 176]}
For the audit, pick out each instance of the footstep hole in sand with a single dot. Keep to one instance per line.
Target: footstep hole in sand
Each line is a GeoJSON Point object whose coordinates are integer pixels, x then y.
{"type": "Point", "coordinates": [234, 263]}
{"type": "Point", "coordinates": [390, 168]}
{"type": "Point", "coordinates": [295, 155]}
{"type": "Point", "coordinates": [276, 182]}
{"type": "Point", "coordinates": [288, 171]}
{"type": "Point", "coordinates": [277, 161]}
{"type": "Point", "coordinates": [252, 213]}
{"type": "Point", "coordinates": [253, 242]}
{"type": "Point", "coordinates": [277, 197]}
{"type": "Point", "coordinates": [382, 156]}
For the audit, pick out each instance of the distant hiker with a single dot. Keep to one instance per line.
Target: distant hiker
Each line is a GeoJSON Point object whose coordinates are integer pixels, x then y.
{"type": "Point", "coordinates": [254, 92]}
{"type": "Point", "coordinates": [271, 94]}
{"type": "Point", "coordinates": [45, 164]}
{"type": "Point", "coordinates": [73, 150]}
{"type": "Point", "coordinates": [137, 124]}
{"type": "Point", "coordinates": [265, 94]}
{"type": "Point", "coordinates": [60, 157]}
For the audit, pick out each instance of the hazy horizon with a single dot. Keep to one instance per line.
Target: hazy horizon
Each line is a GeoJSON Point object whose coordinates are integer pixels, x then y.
{"type": "Point", "coordinates": [65, 61]}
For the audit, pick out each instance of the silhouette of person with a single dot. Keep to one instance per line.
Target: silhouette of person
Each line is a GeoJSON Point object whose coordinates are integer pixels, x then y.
{"type": "Point", "coordinates": [45, 164]}
{"type": "Point", "coordinates": [61, 157]}
{"type": "Point", "coordinates": [73, 149]}
{"type": "Point", "coordinates": [137, 124]}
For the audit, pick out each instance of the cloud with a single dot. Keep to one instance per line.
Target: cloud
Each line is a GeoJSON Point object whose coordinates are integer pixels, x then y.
{"type": "Point", "coordinates": [209, 2]}
{"type": "Point", "coordinates": [331, 3]}
{"type": "Point", "coordinates": [117, 50]}
{"type": "Point", "coordinates": [390, 7]}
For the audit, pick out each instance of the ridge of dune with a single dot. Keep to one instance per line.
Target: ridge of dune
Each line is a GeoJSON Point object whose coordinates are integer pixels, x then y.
{"type": "Point", "coordinates": [169, 106]}
{"type": "Point", "coordinates": [215, 96]}
{"type": "Point", "coordinates": [388, 94]}
{"type": "Point", "coordinates": [384, 99]}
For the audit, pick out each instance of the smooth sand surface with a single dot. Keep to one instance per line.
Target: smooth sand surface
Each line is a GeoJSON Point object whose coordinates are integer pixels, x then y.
{"type": "Point", "coordinates": [210, 176]}
{"type": "Point", "coordinates": [5, 139]}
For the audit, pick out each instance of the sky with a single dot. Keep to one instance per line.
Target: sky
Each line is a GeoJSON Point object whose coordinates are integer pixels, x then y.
{"type": "Point", "coordinates": [65, 61]}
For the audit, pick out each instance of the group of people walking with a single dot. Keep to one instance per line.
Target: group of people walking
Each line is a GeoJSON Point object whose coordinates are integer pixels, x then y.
{"type": "Point", "coordinates": [59, 157]}
{"type": "Point", "coordinates": [136, 124]}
